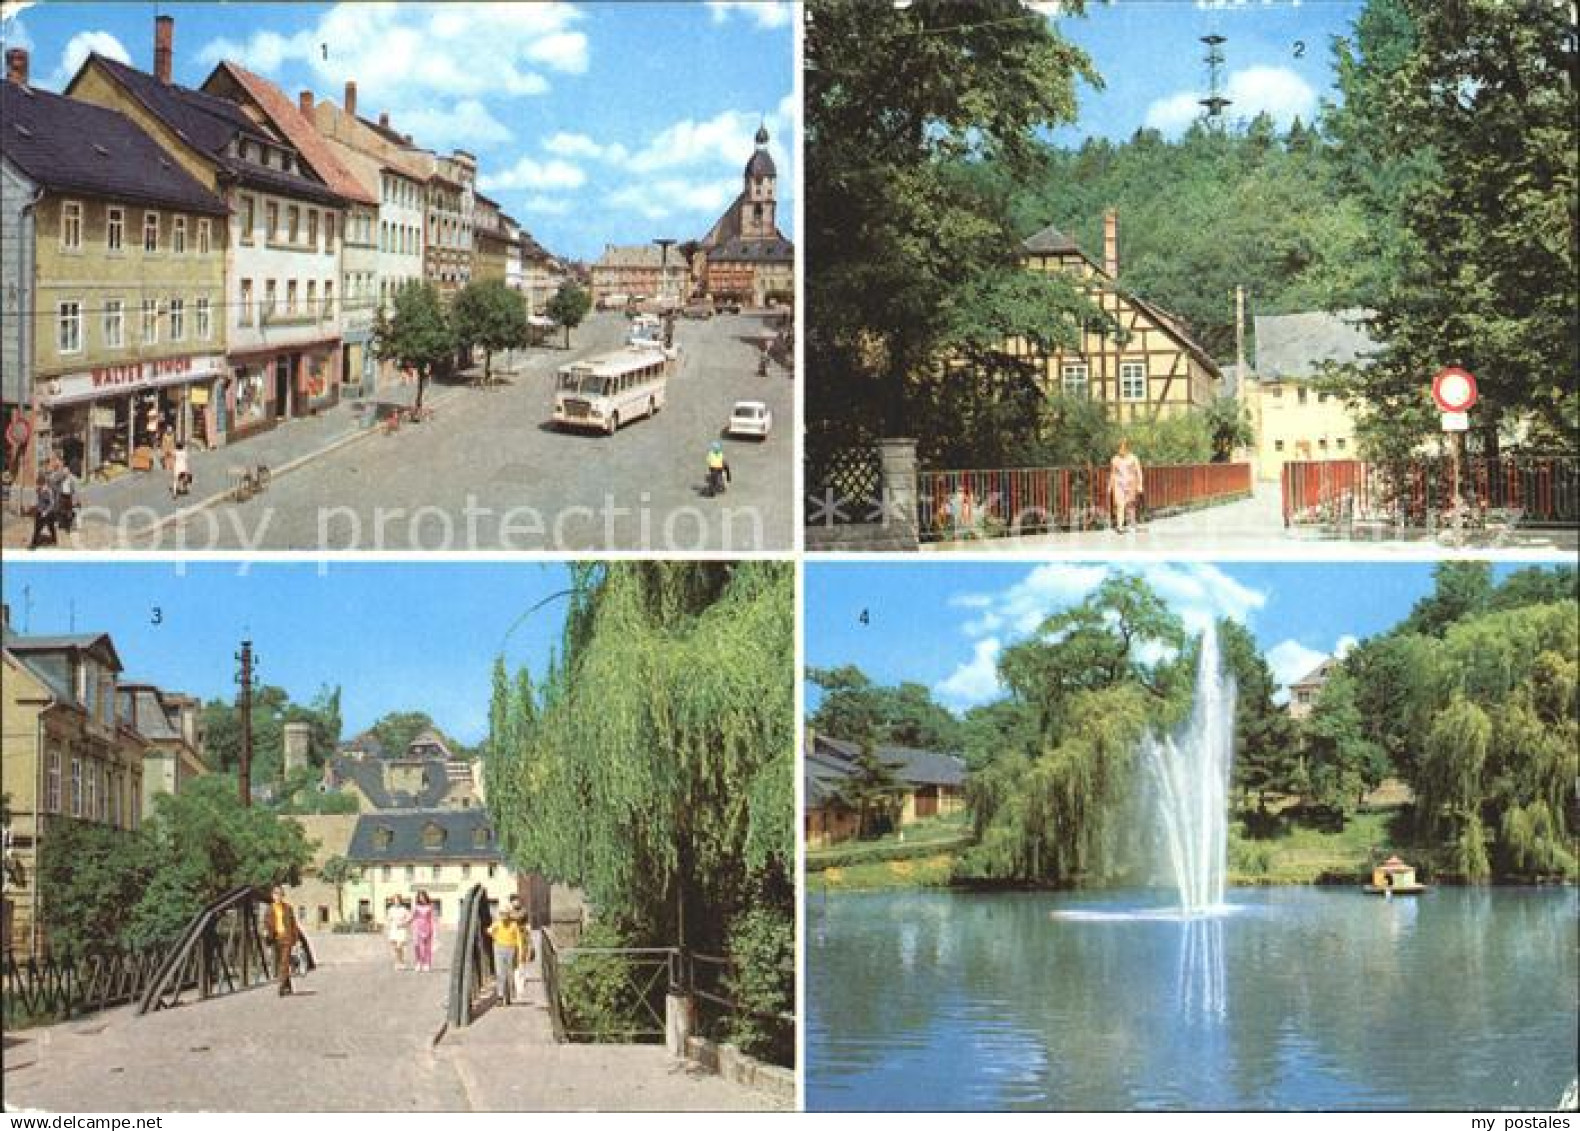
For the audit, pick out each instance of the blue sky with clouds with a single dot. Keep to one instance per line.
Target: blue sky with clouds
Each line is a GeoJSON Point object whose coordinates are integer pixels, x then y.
{"type": "Point", "coordinates": [943, 624]}
{"type": "Point", "coordinates": [1278, 58]}
{"type": "Point", "coordinates": [396, 636]}
{"type": "Point", "coordinates": [593, 123]}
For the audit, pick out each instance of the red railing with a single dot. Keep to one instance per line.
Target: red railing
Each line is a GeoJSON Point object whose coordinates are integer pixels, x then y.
{"type": "Point", "coordinates": [1516, 490]}
{"type": "Point", "coordinates": [1004, 502]}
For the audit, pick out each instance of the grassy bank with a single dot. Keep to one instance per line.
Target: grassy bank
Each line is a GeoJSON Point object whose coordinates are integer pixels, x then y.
{"type": "Point", "coordinates": [1299, 854]}
{"type": "Point", "coordinates": [920, 855]}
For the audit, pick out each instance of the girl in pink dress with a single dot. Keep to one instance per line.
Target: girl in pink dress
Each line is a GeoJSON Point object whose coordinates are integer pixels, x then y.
{"type": "Point", "coordinates": [423, 929]}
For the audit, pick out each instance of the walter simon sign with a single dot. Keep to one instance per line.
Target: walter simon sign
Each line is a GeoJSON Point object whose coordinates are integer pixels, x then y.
{"type": "Point", "coordinates": [140, 373]}
{"type": "Point", "coordinates": [108, 380]}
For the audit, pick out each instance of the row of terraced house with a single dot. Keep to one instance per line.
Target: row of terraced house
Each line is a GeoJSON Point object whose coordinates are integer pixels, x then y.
{"type": "Point", "coordinates": [209, 262]}
{"type": "Point", "coordinates": [82, 742]}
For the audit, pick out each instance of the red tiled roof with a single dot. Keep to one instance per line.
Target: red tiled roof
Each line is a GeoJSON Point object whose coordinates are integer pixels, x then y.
{"type": "Point", "coordinates": [301, 132]}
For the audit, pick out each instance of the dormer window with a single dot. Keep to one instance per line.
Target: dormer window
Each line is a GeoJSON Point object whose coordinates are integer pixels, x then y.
{"type": "Point", "coordinates": [383, 837]}
{"type": "Point", "coordinates": [433, 836]}
{"type": "Point", "coordinates": [481, 836]}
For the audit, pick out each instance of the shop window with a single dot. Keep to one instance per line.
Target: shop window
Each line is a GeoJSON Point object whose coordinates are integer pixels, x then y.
{"type": "Point", "coordinates": [69, 323]}
{"type": "Point", "coordinates": [1133, 380]}
{"type": "Point", "coordinates": [71, 226]}
{"type": "Point", "coordinates": [202, 326]}
{"type": "Point", "coordinates": [150, 231]}
{"type": "Point", "coordinates": [178, 320]}
{"type": "Point", "coordinates": [293, 223]}
{"type": "Point", "coordinates": [150, 322]}
{"type": "Point", "coordinates": [244, 309]}
{"type": "Point", "coordinates": [204, 236]}
{"type": "Point", "coordinates": [178, 235]}
{"type": "Point", "coordinates": [114, 228]}
{"type": "Point", "coordinates": [114, 323]}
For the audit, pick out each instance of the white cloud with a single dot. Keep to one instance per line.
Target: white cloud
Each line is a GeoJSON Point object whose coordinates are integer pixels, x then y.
{"type": "Point", "coordinates": [726, 138]}
{"type": "Point", "coordinates": [1198, 593]}
{"type": "Point", "coordinates": [766, 15]}
{"type": "Point", "coordinates": [670, 196]}
{"type": "Point", "coordinates": [1345, 646]}
{"type": "Point", "coordinates": [543, 176]}
{"type": "Point", "coordinates": [580, 145]}
{"type": "Point", "coordinates": [975, 682]}
{"type": "Point", "coordinates": [1290, 660]}
{"type": "Point", "coordinates": [80, 46]}
{"type": "Point", "coordinates": [1278, 91]}
{"type": "Point", "coordinates": [11, 27]}
{"type": "Point", "coordinates": [467, 122]}
{"type": "Point", "coordinates": [413, 60]}
{"type": "Point", "coordinates": [548, 205]}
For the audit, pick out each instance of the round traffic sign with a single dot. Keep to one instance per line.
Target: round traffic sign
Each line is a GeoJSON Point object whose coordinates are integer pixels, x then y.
{"type": "Point", "coordinates": [1454, 389]}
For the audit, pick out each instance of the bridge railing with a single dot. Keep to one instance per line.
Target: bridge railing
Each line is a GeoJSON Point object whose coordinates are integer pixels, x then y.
{"type": "Point", "coordinates": [472, 974]}
{"type": "Point", "coordinates": [611, 994]}
{"type": "Point", "coordinates": [1418, 494]}
{"type": "Point", "coordinates": [711, 978]}
{"type": "Point", "coordinates": [1006, 502]}
{"type": "Point", "coordinates": [58, 987]}
{"type": "Point", "coordinates": [220, 951]}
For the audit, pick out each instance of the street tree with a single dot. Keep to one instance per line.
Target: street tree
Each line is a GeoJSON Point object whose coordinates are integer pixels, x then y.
{"type": "Point", "coordinates": [418, 335]}
{"type": "Point", "coordinates": [490, 314]}
{"type": "Point", "coordinates": [337, 871]}
{"type": "Point", "coordinates": [568, 307]}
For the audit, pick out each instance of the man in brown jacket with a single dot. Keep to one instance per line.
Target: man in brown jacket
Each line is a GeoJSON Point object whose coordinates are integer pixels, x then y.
{"type": "Point", "coordinates": [283, 933]}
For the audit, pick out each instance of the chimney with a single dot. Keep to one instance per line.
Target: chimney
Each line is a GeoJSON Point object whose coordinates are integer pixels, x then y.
{"type": "Point", "coordinates": [164, 47]}
{"type": "Point", "coordinates": [1111, 243]}
{"type": "Point", "coordinates": [16, 66]}
{"type": "Point", "coordinates": [305, 101]}
{"type": "Point", "coordinates": [384, 118]}
{"type": "Point", "coordinates": [351, 97]}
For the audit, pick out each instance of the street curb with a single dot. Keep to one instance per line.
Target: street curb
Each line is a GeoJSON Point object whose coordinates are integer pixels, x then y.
{"type": "Point", "coordinates": [284, 469]}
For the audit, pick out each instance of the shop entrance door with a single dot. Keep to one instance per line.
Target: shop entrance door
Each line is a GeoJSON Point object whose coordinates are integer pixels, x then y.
{"type": "Point", "coordinates": [282, 386]}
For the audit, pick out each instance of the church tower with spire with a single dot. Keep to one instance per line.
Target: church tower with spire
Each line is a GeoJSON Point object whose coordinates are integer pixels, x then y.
{"type": "Point", "coordinates": [759, 195]}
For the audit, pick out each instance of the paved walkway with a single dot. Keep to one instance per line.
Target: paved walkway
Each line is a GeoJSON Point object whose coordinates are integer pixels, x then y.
{"type": "Point", "coordinates": [357, 1036]}
{"type": "Point", "coordinates": [1256, 525]}
{"type": "Point", "coordinates": [138, 501]}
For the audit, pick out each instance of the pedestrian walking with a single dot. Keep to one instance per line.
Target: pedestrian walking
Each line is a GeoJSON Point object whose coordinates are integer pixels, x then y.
{"type": "Point", "coordinates": [397, 929]}
{"type": "Point", "coordinates": [180, 472]}
{"type": "Point", "coordinates": [506, 935]}
{"type": "Point", "coordinates": [44, 513]}
{"type": "Point", "coordinates": [65, 487]}
{"type": "Point", "coordinates": [284, 933]}
{"type": "Point", "coordinates": [1126, 485]}
{"type": "Point", "coordinates": [423, 928]}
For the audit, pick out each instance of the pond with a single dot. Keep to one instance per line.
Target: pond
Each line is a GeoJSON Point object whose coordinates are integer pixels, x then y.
{"type": "Point", "coordinates": [1291, 999]}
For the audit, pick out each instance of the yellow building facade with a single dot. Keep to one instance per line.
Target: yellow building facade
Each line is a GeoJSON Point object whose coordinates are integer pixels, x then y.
{"type": "Point", "coordinates": [1293, 415]}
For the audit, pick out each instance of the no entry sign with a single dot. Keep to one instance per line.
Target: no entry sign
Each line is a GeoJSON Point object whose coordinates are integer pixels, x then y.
{"type": "Point", "coordinates": [1454, 389]}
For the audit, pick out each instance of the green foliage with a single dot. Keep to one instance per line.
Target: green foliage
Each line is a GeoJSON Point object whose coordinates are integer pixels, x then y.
{"type": "Point", "coordinates": [657, 770]}
{"type": "Point", "coordinates": [490, 314]}
{"type": "Point", "coordinates": [202, 843]}
{"type": "Point", "coordinates": [596, 989]}
{"type": "Point", "coordinates": [761, 982]}
{"type": "Point", "coordinates": [90, 877]}
{"type": "Point", "coordinates": [1460, 589]}
{"type": "Point", "coordinates": [418, 335]}
{"type": "Point", "coordinates": [272, 708]}
{"type": "Point", "coordinates": [1265, 752]}
{"type": "Point", "coordinates": [1343, 763]}
{"type": "Point", "coordinates": [1457, 130]}
{"type": "Point", "coordinates": [917, 261]}
{"type": "Point", "coordinates": [337, 872]}
{"type": "Point", "coordinates": [854, 708]}
{"type": "Point", "coordinates": [396, 730]}
{"type": "Point", "coordinates": [568, 307]}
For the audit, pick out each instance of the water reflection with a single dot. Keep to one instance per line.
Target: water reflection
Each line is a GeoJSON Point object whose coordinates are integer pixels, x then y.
{"type": "Point", "coordinates": [1299, 998]}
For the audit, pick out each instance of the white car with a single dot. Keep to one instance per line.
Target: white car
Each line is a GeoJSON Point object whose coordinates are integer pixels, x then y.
{"type": "Point", "coordinates": [751, 418]}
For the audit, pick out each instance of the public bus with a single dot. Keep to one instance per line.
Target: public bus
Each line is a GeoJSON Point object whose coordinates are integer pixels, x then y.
{"type": "Point", "coordinates": [610, 389]}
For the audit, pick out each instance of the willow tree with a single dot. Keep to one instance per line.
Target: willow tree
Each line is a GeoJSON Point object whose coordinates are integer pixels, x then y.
{"type": "Point", "coordinates": [658, 776]}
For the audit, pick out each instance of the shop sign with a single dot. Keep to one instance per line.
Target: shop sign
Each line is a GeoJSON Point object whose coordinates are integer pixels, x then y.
{"type": "Point", "coordinates": [102, 416]}
{"type": "Point", "coordinates": [112, 380]}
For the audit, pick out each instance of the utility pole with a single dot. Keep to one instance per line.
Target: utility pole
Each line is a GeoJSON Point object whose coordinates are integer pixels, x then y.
{"type": "Point", "coordinates": [244, 707]}
{"type": "Point", "coordinates": [1239, 335]}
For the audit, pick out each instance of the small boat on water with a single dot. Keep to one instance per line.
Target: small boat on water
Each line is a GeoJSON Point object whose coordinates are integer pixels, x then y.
{"type": "Point", "coordinates": [1393, 877]}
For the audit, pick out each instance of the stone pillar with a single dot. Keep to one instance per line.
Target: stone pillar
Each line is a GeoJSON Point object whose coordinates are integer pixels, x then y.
{"type": "Point", "coordinates": [298, 739]}
{"type": "Point", "coordinates": [897, 460]}
{"type": "Point", "coordinates": [680, 1020]}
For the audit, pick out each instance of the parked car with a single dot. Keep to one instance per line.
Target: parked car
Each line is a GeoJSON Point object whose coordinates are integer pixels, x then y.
{"type": "Point", "coordinates": [751, 418]}
{"type": "Point", "coordinates": [702, 310]}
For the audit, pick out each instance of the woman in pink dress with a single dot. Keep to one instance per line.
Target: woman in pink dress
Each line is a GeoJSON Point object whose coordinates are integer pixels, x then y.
{"type": "Point", "coordinates": [1125, 486]}
{"type": "Point", "coordinates": [423, 929]}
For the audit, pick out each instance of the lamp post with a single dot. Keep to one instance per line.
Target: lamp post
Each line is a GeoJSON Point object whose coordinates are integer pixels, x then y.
{"type": "Point", "coordinates": [664, 244]}
{"type": "Point", "coordinates": [245, 679]}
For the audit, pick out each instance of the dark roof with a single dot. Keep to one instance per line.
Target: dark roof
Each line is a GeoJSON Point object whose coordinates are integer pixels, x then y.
{"type": "Point", "coordinates": [366, 742]}
{"type": "Point", "coordinates": [1298, 345]}
{"type": "Point", "coordinates": [78, 642]}
{"type": "Point", "coordinates": [152, 719]}
{"type": "Point", "coordinates": [369, 778]}
{"type": "Point", "coordinates": [761, 165]}
{"type": "Point", "coordinates": [837, 757]}
{"type": "Point", "coordinates": [209, 123]}
{"type": "Point", "coordinates": [71, 146]}
{"type": "Point", "coordinates": [739, 250]}
{"type": "Point", "coordinates": [1049, 241]}
{"type": "Point", "coordinates": [399, 838]}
